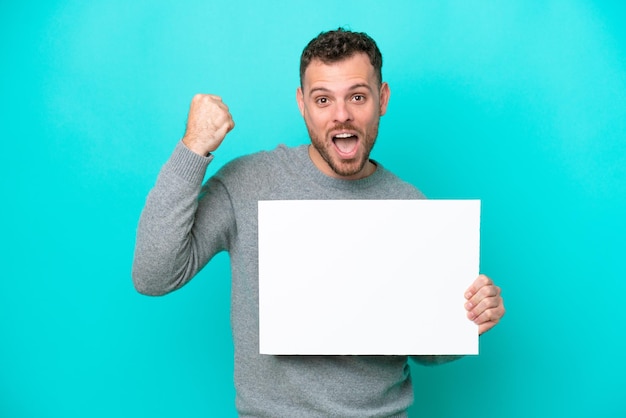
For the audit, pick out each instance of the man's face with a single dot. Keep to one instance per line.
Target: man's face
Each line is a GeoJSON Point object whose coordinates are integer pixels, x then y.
{"type": "Point", "coordinates": [342, 103]}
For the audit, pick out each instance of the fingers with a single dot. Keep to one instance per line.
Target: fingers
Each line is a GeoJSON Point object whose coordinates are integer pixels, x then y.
{"type": "Point", "coordinates": [208, 123]}
{"type": "Point", "coordinates": [484, 305]}
{"type": "Point", "coordinates": [479, 283]}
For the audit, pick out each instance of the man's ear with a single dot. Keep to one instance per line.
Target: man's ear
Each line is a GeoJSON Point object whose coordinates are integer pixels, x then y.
{"type": "Point", "coordinates": [300, 100]}
{"type": "Point", "coordinates": [385, 92]}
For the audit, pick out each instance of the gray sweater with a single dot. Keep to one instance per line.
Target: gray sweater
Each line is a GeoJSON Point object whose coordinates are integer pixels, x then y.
{"type": "Point", "coordinates": [184, 224]}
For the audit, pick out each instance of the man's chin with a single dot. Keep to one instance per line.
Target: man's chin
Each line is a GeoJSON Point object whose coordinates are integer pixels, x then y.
{"type": "Point", "coordinates": [346, 168]}
{"type": "Point", "coordinates": [350, 168]}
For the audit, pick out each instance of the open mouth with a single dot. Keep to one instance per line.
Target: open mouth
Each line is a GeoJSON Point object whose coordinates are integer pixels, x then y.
{"type": "Point", "coordinates": [346, 144]}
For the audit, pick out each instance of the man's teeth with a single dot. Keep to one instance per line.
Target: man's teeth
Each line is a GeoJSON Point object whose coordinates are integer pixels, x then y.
{"type": "Point", "coordinates": [343, 135]}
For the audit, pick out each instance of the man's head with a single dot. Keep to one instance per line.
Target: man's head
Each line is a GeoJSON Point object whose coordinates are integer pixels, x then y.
{"type": "Point", "coordinates": [342, 97]}
{"type": "Point", "coordinates": [337, 45]}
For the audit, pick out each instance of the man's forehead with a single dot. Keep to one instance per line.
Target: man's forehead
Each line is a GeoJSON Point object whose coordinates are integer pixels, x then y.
{"type": "Point", "coordinates": [351, 69]}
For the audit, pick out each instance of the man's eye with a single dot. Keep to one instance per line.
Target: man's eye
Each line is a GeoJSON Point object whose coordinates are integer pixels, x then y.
{"type": "Point", "coordinates": [358, 98]}
{"type": "Point", "coordinates": [322, 100]}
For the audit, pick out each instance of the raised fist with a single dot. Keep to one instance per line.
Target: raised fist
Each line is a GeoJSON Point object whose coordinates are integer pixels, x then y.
{"type": "Point", "coordinates": [207, 124]}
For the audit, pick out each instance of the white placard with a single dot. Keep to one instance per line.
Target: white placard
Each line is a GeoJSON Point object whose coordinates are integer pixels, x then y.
{"type": "Point", "coordinates": [367, 277]}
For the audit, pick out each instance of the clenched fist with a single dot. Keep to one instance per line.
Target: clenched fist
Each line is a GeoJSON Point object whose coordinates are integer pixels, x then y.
{"type": "Point", "coordinates": [207, 124]}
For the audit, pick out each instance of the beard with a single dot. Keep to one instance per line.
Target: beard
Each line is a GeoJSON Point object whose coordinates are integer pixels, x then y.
{"type": "Point", "coordinates": [345, 168]}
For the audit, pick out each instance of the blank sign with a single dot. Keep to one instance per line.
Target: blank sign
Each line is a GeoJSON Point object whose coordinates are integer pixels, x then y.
{"type": "Point", "coordinates": [367, 277]}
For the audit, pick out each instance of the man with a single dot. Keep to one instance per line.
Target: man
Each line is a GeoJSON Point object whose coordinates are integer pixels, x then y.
{"type": "Point", "coordinates": [184, 224]}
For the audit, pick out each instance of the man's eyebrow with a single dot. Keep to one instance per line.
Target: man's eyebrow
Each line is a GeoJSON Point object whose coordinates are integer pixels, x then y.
{"type": "Point", "coordinates": [353, 87]}
{"type": "Point", "coordinates": [318, 89]}
{"type": "Point", "coordinates": [359, 86]}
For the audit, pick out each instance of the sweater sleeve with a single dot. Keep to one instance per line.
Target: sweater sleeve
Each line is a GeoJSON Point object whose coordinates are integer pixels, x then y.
{"type": "Point", "coordinates": [182, 226]}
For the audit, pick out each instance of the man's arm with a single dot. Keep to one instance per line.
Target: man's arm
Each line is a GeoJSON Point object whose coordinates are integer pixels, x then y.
{"type": "Point", "coordinates": [178, 233]}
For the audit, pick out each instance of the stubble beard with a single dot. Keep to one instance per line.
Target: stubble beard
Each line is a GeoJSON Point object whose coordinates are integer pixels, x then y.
{"type": "Point", "coordinates": [345, 168]}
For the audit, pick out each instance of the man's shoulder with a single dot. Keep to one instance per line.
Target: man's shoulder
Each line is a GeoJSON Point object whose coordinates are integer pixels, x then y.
{"type": "Point", "coordinates": [260, 164]}
{"type": "Point", "coordinates": [398, 188]}
{"type": "Point", "coordinates": [280, 152]}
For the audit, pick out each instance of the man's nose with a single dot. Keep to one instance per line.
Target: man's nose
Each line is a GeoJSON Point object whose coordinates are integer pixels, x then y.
{"type": "Point", "coordinates": [342, 112]}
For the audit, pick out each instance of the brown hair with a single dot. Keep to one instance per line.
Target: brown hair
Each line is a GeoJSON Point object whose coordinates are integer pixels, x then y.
{"type": "Point", "coordinates": [337, 45]}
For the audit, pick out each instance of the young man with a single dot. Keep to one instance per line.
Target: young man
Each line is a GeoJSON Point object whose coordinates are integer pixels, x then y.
{"type": "Point", "coordinates": [184, 224]}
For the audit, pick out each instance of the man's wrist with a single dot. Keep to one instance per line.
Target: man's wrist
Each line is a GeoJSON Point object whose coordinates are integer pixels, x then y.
{"type": "Point", "coordinates": [196, 148]}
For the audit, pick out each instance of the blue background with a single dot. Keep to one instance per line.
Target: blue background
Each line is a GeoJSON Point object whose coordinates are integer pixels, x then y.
{"type": "Point", "coordinates": [521, 104]}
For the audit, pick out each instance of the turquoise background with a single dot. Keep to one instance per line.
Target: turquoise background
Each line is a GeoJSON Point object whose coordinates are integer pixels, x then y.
{"type": "Point", "coordinates": [520, 103]}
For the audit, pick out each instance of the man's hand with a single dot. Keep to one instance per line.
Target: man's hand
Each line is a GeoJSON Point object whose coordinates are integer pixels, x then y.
{"type": "Point", "coordinates": [484, 304]}
{"type": "Point", "coordinates": [207, 124]}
